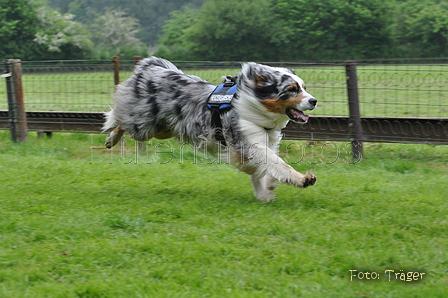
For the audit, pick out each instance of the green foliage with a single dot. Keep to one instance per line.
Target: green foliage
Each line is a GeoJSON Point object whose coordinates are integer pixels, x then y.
{"type": "Point", "coordinates": [289, 30]}
{"type": "Point", "coordinates": [114, 29]}
{"type": "Point", "coordinates": [223, 30]}
{"type": "Point", "coordinates": [265, 30]}
{"type": "Point", "coordinates": [63, 37]}
{"type": "Point", "coordinates": [333, 29]}
{"type": "Point", "coordinates": [114, 34]}
{"type": "Point", "coordinates": [234, 30]}
{"type": "Point", "coordinates": [152, 14]}
{"type": "Point", "coordinates": [421, 29]}
{"type": "Point", "coordinates": [33, 31]}
{"type": "Point", "coordinates": [173, 45]}
{"type": "Point", "coordinates": [18, 24]}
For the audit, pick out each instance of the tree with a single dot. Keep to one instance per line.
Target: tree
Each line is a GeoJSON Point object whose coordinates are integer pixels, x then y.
{"type": "Point", "coordinates": [225, 30]}
{"type": "Point", "coordinates": [32, 31]}
{"type": "Point", "coordinates": [421, 29]}
{"type": "Point", "coordinates": [115, 34]}
{"type": "Point", "coordinates": [62, 37]}
{"type": "Point", "coordinates": [173, 45]}
{"type": "Point", "coordinates": [18, 25]}
{"type": "Point", "coordinates": [333, 29]}
{"type": "Point", "coordinates": [152, 14]}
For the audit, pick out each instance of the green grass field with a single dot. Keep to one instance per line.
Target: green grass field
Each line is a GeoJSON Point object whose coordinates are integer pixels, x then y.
{"type": "Point", "coordinates": [81, 222]}
{"type": "Point", "coordinates": [384, 90]}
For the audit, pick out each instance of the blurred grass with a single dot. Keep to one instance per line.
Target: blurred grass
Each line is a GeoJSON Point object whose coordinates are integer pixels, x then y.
{"type": "Point", "coordinates": [81, 222]}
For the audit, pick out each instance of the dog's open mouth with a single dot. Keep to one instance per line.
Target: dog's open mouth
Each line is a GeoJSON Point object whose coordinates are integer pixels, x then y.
{"type": "Point", "coordinates": [296, 115]}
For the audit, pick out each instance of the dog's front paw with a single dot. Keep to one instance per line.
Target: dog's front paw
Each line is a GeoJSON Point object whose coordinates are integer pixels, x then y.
{"type": "Point", "coordinates": [309, 179]}
{"type": "Point", "coordinates": [297, 179]}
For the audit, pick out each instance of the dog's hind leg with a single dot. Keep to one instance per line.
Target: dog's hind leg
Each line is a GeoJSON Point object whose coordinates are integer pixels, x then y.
{"type": "Point", "coordinates": [114, 137]}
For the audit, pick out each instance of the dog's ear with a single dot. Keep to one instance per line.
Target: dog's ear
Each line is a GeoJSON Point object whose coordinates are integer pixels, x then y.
{"type": "Point", "coordinates": [259, 78]}
{"type": "Point", "coordinates": [256, 73]}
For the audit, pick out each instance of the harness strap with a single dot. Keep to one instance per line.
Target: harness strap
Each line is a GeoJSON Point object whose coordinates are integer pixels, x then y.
{"type": "Point", "coordinates": [220, 102]}
{"type": "Point", "coordinates": [217, 125]}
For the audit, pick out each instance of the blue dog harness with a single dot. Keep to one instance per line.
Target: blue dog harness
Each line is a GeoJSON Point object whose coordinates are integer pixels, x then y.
{"type": "Point", "coordinates": [220, 102]}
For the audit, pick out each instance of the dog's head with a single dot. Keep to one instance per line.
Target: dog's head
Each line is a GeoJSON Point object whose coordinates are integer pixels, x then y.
{"type": "Point", "coordinates": [279, 90]}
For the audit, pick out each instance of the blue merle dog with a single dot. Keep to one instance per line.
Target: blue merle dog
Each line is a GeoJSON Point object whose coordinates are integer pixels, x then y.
{"type": "Point", "coordinates": [160, 101]}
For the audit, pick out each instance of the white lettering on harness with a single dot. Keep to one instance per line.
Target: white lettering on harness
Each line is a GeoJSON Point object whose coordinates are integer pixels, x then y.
{"type": "Point", "coordinates": [221, 98]}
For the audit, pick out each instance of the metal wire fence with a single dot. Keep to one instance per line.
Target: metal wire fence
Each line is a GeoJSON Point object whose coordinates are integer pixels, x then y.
{"type": "Point", "coordinates": [71, 86]}
{"type": "Point", "coordinates": [419, 91]}
{"type": "Point", "coordinates": [396, 89]}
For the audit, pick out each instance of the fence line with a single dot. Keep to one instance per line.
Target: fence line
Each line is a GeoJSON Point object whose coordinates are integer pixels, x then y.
{"type": "Point", "coordinates": [357, 101]}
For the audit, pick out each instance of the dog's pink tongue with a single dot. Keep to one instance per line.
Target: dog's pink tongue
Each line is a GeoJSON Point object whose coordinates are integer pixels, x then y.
{"type": "Point", "coordinates": [300, 115]}
{"type": "Point", "coordinates": [304, 117]}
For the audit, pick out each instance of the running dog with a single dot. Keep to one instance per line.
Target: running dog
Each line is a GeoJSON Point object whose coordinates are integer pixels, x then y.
{"type": "Point", "coordinates": [160, 101]}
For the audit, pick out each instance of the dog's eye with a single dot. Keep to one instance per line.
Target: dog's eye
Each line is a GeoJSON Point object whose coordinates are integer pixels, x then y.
{"type": "Point", "coordinates": [284, 96]}
{"type": "Point", "coordinates": [294, 89]}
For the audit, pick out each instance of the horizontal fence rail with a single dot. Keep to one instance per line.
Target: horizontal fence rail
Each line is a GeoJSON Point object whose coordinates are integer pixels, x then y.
{"type": "Point", "coordinates": [387, 130]}
{"type": "Point", "coordinates": [397, 102]}
{"type": "Point", "coordinates": [59, 121]}
{"type": "Point", "coordinates": [319, 128]}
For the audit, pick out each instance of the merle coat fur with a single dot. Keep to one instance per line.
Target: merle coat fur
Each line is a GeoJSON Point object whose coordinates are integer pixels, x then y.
{"type": "Point", "coordinates": [160, 101]}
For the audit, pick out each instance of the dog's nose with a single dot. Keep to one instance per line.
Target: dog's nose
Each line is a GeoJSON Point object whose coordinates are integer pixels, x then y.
{"type": "Point", "coordinates": [312, 101]}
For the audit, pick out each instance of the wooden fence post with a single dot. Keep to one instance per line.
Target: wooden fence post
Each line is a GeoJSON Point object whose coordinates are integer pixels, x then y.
{"type": "Point", "coordinates": [355, 115]}
{"type": "Point", "coordinates": [137, 59]}
{"type": "Point", "coordinates": [16, 104]}
{"type": "Point", "coordinates": [116, 62]}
